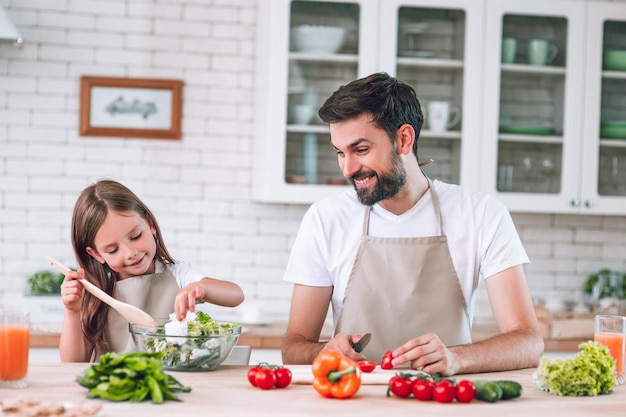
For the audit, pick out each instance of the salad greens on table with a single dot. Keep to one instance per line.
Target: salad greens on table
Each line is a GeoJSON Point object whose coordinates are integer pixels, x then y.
{"type": "Point", "coordinates": [591, 372]}
{"type": "Point", "coordinates": [194, 348]}
{"type": "Point", "coordinates": [133, 376]}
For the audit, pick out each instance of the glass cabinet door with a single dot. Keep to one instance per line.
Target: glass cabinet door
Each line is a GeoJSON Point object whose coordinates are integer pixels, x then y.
{"type": "Point", "coordinates": [612, 161]}
{"type": "Point", "coordinates": [533, 99]}
{"type": "Point", "coordinates": [604, 152]}
{"type": "Point", "coordinates": [323, 55]}
{"type": "Point", "coordinates": [307, 49]}
{"type": "Point", "coordinates": [434, 46]}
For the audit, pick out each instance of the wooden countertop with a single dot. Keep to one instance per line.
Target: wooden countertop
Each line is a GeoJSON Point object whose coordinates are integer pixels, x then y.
{"type": "Point", "coordinates": [268, 336]}
{"type": "Point", "coordinates": [226, 391]}
{"type": "Point", "coordinates": [563, 332]}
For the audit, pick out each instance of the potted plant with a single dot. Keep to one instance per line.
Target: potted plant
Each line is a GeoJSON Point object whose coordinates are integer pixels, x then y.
{"type": "Point", "coordinates": [606, 290]}
{"type": "Point", "coordinates": [43, 297]}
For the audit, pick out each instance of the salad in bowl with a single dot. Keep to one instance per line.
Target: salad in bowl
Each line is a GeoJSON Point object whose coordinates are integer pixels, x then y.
{"type": "Point", "coordinates": [197, 343]}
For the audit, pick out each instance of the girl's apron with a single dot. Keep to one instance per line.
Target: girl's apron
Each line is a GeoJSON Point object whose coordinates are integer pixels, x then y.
{"type": "Point", "coordinates": [154, 294]}
{"type": "Point", "coordinates": [401, 288]}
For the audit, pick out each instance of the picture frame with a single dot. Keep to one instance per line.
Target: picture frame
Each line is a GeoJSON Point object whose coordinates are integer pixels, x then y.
{"type": "Point", "coordinates": [130, 107]}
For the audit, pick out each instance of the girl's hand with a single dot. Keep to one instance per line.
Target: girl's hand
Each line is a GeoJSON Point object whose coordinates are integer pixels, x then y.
{"type": "Point", "coordinates": [72, 290]}
{"type": "Point", "coordinates": [186, 299]}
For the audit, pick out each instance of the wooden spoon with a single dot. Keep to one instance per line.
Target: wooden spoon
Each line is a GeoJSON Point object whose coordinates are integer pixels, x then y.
{"type": "Point", "coordinates": [129, 312]}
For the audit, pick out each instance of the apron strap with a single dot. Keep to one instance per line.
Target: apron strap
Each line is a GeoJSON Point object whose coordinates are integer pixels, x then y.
{"type": "Point", "coordinates": [366, 220]}
{"type": "Point", "coordinates": [436, 207]}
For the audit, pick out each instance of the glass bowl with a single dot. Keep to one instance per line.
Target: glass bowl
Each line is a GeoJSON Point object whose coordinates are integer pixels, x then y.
{"type": "Point", "coordinates": [188, 353]}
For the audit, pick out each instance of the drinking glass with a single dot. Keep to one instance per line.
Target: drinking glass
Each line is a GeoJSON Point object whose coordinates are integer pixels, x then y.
{"type": "Point", "coordinates": [611, 332]}
{"type": "Point", "coordinates": [14, 344]}
{"type": "Point", "coordinates": [615, 175]}
{"type": "Point", "coordinates": [527, 166]}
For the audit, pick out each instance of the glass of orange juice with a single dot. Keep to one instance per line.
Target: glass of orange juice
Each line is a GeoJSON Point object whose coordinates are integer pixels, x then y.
{"type": "Point", "coordinates": [611, 332]}
{"type": "Point", "coordinates": [14, 344]}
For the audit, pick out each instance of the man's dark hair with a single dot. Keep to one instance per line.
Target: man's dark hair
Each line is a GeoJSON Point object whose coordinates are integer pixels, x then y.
{"type": "Point", "coordinates": [390, 102]}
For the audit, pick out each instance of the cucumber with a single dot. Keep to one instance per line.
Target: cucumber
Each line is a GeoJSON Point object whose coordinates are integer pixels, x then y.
{"type": "Point", "coordinates": [510, 389]}
{"type": "Point", "coordinates": [488, 391]}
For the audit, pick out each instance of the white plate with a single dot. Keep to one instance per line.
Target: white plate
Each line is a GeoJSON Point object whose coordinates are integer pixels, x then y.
{"type": "Point", "coordinates": [537, 384]}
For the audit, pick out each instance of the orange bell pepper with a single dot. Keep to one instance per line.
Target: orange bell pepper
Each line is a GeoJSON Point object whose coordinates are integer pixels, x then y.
{"type": "Point", "coordinates": [335, 375]}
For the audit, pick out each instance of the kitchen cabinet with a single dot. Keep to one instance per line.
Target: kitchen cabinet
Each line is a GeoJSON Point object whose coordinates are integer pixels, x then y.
{"type": "Point", "coordinates": [604, 187]}
{"type": "Point", "coordinates": [530, 134]}
{"type": "Point", "coordinates": [429, 44]}
{"type": "Point", "coordinates": [542, 149]}
{"type": "Point", "coordinates": [432, 45]}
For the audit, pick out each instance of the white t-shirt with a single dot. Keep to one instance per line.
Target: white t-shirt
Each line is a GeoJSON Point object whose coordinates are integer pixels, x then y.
{"type": "Point", "coordinates": [482, 238]}
{"type": "Point", "coordinates": [184, 273]}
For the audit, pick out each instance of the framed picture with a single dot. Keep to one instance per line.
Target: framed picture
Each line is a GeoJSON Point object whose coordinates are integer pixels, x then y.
{"type": "Point", "coordinates": [130, 107]}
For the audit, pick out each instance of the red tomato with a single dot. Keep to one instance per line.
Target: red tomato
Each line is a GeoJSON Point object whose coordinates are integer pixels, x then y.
{"type": "Point", "coordinates": [400, 386]}
{"type": "Point", "coordinates": [265, 378]}
{"type": "Point", "coordinates": [385, 362]}
{"type": "Point", "coordinates": [252, 374]}
{"type": "Point", "coordinates": [465, 391]}
{"type": "Point", "coordinates": [283, 377]}
{"type": "Point", "coordinates": [423, 389]}
{"type": "Point", "coordinates": [444, 391]}
{"type": "Point", "coordinates": [367, 366]}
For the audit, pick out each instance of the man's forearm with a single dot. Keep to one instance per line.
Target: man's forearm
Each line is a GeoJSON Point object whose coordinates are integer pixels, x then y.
{"type": "Point", "coordinates": [298, 350]}
{"type": "Point", "coordinates": [517, 349]}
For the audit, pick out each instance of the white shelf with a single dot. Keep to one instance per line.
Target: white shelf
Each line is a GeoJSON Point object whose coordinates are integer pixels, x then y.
{"type": "Point", "coordinates": [306, 56]}
{"type": "Point", "coordinates": [533, 69]}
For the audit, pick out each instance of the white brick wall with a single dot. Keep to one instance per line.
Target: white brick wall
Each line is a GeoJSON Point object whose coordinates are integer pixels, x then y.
{"type": "Point", "coordinates": [199, 187]}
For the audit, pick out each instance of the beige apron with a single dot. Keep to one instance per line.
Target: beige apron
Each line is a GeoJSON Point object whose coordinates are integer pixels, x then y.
{"type": "Point", "coordinates": [401, 288]}
{"type": "Point", "coordinates": [154, 294]}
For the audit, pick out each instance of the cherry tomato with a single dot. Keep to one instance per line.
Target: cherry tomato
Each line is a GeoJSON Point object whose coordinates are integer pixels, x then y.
{"type": "Point", "coordinates": [400, 386]}
{"type": "Point", "coordinates": [444, 391]}
{"type": "Point", "coordinates": [265, 378]}
{"type": "Point", "coordinates": [465, 391]}
{"type": "Point", "coordinates": [283, 377]}
{"type": "Point", "coordinates": [367, 366]}
{"type": "Point", "coordinates": [385, 363]}
{"type": "Point", "coordinates": [423, 389]}
{"type": "Point", "coordinates": [252, 374]}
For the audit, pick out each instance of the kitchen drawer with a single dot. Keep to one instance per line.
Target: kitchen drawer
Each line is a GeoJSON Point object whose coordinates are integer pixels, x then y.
{"type": "Point", "coordinates": [572, 327]}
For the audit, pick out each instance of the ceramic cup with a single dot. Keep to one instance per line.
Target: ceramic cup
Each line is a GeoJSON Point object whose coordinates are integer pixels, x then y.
{"type": "Point", "coordinates": [611, 332]}
{"type": "Point", "coordinates": [442, 116]}
{"type": "Point", "coordinates": [541, 52]}
{"type": "Point", "coordinates": [301, 114]}
{"type": "Point", "coordinates": [14, 344]}
{"type": "Point", "coordinates": [509, 49]}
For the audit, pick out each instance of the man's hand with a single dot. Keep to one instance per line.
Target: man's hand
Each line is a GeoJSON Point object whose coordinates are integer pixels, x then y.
{"type": "Point", "coordinates": [344, 343]}
{"type": "Point", "coordinates": [426, 353]}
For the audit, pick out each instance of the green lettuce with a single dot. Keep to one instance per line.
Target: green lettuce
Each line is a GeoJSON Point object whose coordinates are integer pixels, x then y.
{"type": "Point", "coordinates": [591, 372]}
{"type": "Point", "coordinates": [197, 349]}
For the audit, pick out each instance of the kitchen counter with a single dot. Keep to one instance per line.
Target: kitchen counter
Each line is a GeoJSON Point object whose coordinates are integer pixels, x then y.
{"type": "Point", "coordinates": [561, 336]}
{"type": "Point", "coordinates": [226, 391]}
{"type": "Point", "coordinates": [267, 336]}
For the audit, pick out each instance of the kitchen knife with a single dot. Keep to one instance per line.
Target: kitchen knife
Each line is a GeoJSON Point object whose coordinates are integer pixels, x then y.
{"type": "Point", "coordinates": [362, 342]}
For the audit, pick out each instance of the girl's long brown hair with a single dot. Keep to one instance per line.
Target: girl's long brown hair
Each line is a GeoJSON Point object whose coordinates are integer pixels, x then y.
{"type": "Point", "coordinates": [90, 210]}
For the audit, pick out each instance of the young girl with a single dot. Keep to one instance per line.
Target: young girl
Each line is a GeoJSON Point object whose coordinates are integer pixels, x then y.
{"type": "Point", "coordinates": [119, 247]}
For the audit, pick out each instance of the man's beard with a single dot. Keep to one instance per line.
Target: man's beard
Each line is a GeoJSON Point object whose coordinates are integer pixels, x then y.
{"type": "Point", "coordinates": [387, 185]}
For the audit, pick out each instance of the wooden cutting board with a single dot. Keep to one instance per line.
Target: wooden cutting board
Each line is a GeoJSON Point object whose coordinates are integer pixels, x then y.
{"type": "Point", "coordinates": [302, 375]}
